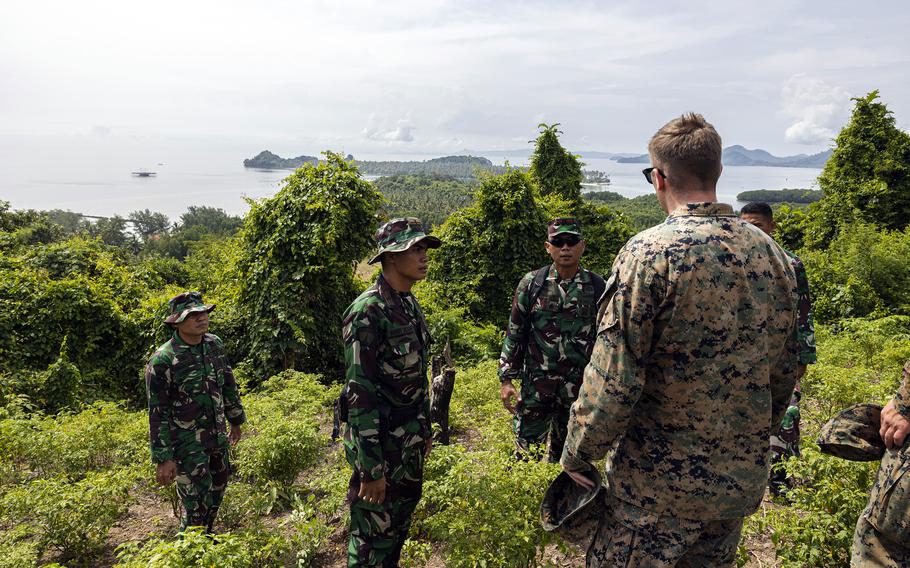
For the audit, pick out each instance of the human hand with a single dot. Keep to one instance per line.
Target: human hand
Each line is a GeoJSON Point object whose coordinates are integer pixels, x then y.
{"type": "Point", "coordinates": [507, 393]}
{"type": "Point", "coordinates": [894, 427]}
{"type": "Point", "coordinates": [428, 448]}
{"type": "Point", "coordinates": [235, 435]}
{"type": "Point", "coordinates": [166, 472]}
{"type": "Point", "coordinates": [373, 491]}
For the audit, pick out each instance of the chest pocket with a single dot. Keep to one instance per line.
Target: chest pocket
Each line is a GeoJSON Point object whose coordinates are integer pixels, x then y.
{"type": "Point", "coordinates": [587, 303]}
{"type": "Point", "coordinates": [188, 377]}
{"type": "Point", "coordinates": [404, 350]}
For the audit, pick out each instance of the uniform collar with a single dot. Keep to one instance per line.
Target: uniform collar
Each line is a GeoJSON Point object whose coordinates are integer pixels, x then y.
{"type": "Point", "coordinates": [554, 275]}
{"type": "Point", "coordinates": [179, 343]}
{"type": "Point", "coordinates": [703, 209]}
{"type": "Point", "coordinates": [390, 295]}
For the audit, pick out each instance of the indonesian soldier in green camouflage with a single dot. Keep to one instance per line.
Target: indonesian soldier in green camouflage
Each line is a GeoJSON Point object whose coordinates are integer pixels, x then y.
{"type": "Point", "coordinates": [882, 536]}
{"type": "Point", "coordinates": [192, 397]}
{"type": "Point", "coordinates": [388, 433]}
{"type": "Point", "coordinates": [762, 216]}
{"type": "Point", "coordinates": [549, 340]}
{"type": "Point", "coordinates": [693, 365]}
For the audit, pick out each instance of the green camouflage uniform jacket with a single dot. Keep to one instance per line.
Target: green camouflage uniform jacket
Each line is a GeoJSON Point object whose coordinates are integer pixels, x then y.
{"type": "Point", "coordinates": [385, 352]}
{"type": "Point", "coordinates": [693, 366]}
{"type": "Point", "coordinates": [805, 328]}
{"type": "Point", "coordinates": [561, 331]}
{"type": "Point", "coordinates": [191, 391]}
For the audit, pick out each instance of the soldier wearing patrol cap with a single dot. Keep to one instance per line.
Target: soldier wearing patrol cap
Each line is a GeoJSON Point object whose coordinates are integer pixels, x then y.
{"type": "Point", "coordinates": [192, 396]}
{"type": "Point", "coordinates": [387, 435]}
{"type": "Point", "coordinates": [548, 340]}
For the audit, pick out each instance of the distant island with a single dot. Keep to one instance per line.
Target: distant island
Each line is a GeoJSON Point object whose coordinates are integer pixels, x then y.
{"type": "Point", "coordinates": [462, 168]}
{"type": "Point", "coordinates": [781, 195]}
{"type": "Point", "coordinates": [741, 156]}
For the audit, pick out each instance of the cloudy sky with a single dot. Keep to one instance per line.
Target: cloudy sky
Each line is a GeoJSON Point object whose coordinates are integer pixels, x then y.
{"type": "Point", "coordinates": [436, 76]}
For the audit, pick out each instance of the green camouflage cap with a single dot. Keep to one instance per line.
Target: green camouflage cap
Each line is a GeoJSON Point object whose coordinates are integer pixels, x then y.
{"type": "Point", "coordinates": [853, 434]}
{"type": "Point", "coordinates": [563, 226]}
{"type": "Point", "coordinates": [400, 234]}
{"type": "Point", "coordinates": [571, 510]}
{"type": "Point", "coordinates": [185, 304]}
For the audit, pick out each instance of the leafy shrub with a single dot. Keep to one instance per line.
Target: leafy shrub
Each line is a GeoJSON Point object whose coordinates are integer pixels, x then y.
{"type": "Point", "coordinates": [309, 532]}
{"type": "Point", "coordinates": [483, 507]}
{"type": "Point", "coordinates": [104, 435]}
{"type": "Point", "coordinates": [16, 551]}
{"type": "Point", "coordinates": [244, 549]}
{"type": "Point", "coordinates": [72, 517]}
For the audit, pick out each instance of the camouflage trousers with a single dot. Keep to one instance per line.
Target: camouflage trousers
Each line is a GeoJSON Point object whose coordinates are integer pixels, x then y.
{"type": "Point", "coordinates": [544, 410]}
{"type": "Point", "coordinates": [633, 537]}
{"type": "Point", "coordinates": [378, 531]}
{"type": "Point", "coordinates": [201, 480]}
{"type": "Point", "coordinates": [881, 537]}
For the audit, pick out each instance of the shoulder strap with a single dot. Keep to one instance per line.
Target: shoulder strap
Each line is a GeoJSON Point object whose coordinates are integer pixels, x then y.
{"type": "Point", "coordinates": [534, 289]}
{"type": "Point", "coordinates": [600, 286]}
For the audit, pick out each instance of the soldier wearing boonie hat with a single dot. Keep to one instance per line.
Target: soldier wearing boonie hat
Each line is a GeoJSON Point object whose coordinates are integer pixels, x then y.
{"type": "Point", "coordinates": [192, 396]}
{"type": "Point", "coordinates": [384, 403]}
{"type": "Point", "coordinates": [549, 340]}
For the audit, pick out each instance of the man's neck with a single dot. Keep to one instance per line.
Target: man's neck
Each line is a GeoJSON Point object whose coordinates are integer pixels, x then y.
{"type": "Point", "coordinates": [190, 339]}
{"type": "Point", "coordinates": [397, 281]}
{"type": "Point", "coordinates": [565, 273]}
{"type": "Point", "coordinates": [676, 200]}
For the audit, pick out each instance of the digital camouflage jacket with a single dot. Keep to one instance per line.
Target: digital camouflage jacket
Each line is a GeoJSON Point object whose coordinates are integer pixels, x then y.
{"type": "Point", "coordinates": [561, 335]}
{"type": "Point", "coordinates": [191, 393]}
{"type": "Point", "coordinates": [693, 366]}
{"type": "Point", "coordinates": [805, 328]}
{"type": "Point", "coordinates": [385, 351]}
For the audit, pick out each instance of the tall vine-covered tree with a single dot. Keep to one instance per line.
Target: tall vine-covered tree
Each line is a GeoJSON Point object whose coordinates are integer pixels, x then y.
{"type": "Point", "coordinates": [555, 170]}
{"type": "Point", "coordinates": [488, 246]}
{"type": "Point", "coordinates": [298, 252]}
{"type": "Point", "coordinates": [867, 177]}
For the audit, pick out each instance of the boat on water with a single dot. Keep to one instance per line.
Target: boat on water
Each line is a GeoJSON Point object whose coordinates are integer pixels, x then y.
{"type": "Point", "coordinates": [144, 174]}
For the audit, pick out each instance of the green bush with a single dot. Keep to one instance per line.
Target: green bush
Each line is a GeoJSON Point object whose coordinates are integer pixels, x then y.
{"type": "Point", "coordinates": [258, 548]}
{"type": "Point", "coordinates": [483, 507]}
{"type": "Point", "coordinates": [73, 517]}
{"type": "Point", "coordinates": [102, 436]}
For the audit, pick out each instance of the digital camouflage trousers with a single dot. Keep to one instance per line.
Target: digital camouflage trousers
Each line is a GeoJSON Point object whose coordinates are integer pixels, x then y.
{"type": "Point", "coordinates": [544, 410]}
{"type": "Point", "coordinates": [632, 537]}
{"type": "Point", "coordinates": [881, 537]}
{"type": "Point", "coordinates": [201, 480]}
{"type": "Point", "coordinates": [378, 530]}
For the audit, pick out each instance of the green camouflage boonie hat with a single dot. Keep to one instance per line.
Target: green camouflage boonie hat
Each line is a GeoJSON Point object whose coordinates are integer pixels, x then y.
{"type": "Point", "coordinates": [400, 234]}
{"type": "Point", "coordinates": [571, 510]}
{"type": "Point", "coordinates": [185, 304]}
{"type": "Point", "coordinates": [853, 434]}
{"type": "Point", "coordinates": [563, 226]}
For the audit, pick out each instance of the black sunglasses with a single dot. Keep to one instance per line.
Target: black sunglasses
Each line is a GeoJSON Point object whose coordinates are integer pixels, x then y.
{"type": "Point", "coordinates": [647, 171]}
{"type": "Point", "coordinates": [558, 242]}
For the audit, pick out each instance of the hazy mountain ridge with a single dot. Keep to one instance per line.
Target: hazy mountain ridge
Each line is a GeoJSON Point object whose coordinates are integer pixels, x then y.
{"type": "Point", "coordinates": [741, 156]}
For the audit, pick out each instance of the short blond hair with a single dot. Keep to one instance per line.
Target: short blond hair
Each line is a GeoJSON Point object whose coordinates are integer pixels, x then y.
{"type": "Point", "coordinates": [688, 146]}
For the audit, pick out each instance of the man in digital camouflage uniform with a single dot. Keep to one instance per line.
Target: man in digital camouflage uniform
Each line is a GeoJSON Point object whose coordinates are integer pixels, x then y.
{"type": "Point", "coordinates": [785, 441]}
{"type": "Point", "coordinates": [549, 340]}
{"type": "Point", "coordinates": [693, 365]}
{"type": "Point", "coordinates": [882, 536]}
{"type": "Point", "coordinates": [388, 435]}
{"type": "Point", "coordinates": [192, 396]}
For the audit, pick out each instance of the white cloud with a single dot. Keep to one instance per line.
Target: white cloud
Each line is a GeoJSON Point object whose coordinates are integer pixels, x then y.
{"type": "Point", "coordinates": [816, 109]}
{"type": "Point", "coordinates": [380, 128]}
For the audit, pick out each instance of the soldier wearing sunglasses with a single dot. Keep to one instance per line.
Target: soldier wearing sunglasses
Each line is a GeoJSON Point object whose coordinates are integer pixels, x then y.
{"type": "Point", "coordinates": [549, 340]}
{"type": "Point", "coordinates": [693, 365]}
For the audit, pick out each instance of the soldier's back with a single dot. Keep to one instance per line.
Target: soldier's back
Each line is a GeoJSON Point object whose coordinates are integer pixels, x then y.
{"type": "Point", "coordinates": [696, 446]}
